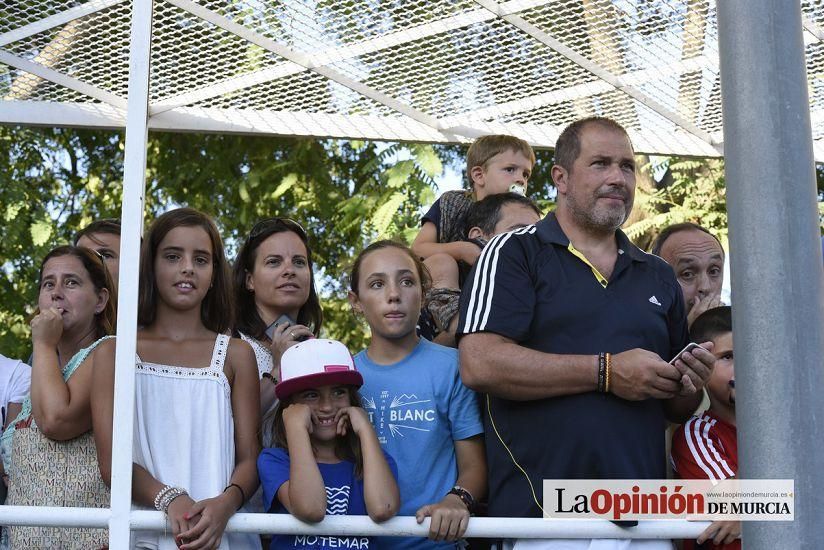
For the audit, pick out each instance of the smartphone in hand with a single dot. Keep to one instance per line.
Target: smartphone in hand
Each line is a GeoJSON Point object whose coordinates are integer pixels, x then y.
{"type": "Point", "coordinates": [283, 319]}
{"type": "Point", "coordinates": [689, 347]}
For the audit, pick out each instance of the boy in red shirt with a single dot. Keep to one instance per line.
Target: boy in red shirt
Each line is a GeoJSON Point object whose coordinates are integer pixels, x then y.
{"type": "Point", "coordinates": [706, 446]}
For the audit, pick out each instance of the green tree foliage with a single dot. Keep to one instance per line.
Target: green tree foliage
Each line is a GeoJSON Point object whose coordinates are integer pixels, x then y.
{"type": "Point", "coordinates": [692, 190]}
{"type": "Point", "coordinates": [53, 181]}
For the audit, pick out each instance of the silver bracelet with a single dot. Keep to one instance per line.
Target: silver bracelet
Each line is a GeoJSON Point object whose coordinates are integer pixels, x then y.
{"type": "Point", "coordinates": [166, 495]}
{"type": "Point", "coordinates": [160, 495]}
{"type": "Point", "coordinates": [170, 496]}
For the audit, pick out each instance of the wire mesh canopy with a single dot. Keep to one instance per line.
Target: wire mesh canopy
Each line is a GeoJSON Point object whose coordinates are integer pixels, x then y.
{"type": "Point", "coordinates": [418, 70]}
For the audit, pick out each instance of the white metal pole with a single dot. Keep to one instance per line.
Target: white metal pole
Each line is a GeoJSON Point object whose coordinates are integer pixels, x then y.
{"type": "Point", "coordinates": [134, 183]}
{"type": "Point", "coordinates": [349, 526]}
{"type": "Point", "coordinates": [531, 528]}
{"type": "Point", "coordinates": [55, 516]}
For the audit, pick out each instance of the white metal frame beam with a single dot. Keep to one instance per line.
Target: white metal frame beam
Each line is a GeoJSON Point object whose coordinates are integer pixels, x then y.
{"type": "Point", "coordinates": [320, 125]}
{"type": "Point", "coordinates": [134, 182]}
{"type": "Point", "coordinates": [477, 527]}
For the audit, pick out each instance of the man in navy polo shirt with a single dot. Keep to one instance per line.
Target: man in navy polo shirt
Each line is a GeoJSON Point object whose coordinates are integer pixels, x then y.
{"type": "Point", "coordinates": [543, 307]}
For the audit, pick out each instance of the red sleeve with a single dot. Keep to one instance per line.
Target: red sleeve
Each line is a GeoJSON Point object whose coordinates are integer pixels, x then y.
{"type": "Point", "coordinates": [697, 452]}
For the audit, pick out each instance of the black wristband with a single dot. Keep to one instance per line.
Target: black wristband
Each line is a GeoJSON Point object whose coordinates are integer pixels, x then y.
{"type": "Point", "coordinates": [242, 493]}
{"type": "Point", "coordinates": [465, 496]}
{"type": "Point", "coordinates": [602, 372]}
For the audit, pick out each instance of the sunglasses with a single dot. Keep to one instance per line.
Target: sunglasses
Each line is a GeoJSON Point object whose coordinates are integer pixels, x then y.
{"type": "Point", "coordinates": [99, 256]}
{"type": "Point", "coordinates": [271, 224]}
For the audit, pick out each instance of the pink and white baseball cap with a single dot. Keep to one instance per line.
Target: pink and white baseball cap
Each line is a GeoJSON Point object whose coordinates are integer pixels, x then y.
{"type": "Point", "coordinates": [313, 363]}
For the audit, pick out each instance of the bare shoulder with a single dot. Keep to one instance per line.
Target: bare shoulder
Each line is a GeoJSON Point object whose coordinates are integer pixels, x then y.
{"type": "Point", "coordinates": [104, 352]}
{"type": "Point", "coordinates": [109, 345]}
{"type": "Point", "coordinates": [240, 355]}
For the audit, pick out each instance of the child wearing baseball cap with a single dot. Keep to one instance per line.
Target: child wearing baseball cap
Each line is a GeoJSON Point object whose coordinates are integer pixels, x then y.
{"type": "Point", "coordinates": [326, 458]}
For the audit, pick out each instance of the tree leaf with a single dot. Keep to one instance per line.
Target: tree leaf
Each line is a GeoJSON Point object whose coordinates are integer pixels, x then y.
{"type": "Point", "coordinates": [382, 217]}
{"type": "Point", "coordinates": [398, 175]}
{"type": "Point", "coordinates": [285, 184]}
{"type": "Point", "coordinates": [428, 160]}
{"type": "Point", "coordinates": [243, 191]}
{"type": "Point", "coordinates": [41, 232]}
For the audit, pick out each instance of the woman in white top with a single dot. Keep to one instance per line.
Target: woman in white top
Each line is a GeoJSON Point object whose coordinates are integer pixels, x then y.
{"type": "Point", "coordinates": [273, 278]}
{"type": "Point", "coordinates": [196, 413]}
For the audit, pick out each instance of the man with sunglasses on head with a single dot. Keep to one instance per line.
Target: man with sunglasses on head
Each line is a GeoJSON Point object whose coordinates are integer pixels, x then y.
{"type": "Point", "coordinates": [103, 236]}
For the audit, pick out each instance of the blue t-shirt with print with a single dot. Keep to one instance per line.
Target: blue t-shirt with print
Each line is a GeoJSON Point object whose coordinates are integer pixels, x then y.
{"type": "Point", "coordinates": [419, 408]}
{"type": "Point", "coordinates": [344, 497]}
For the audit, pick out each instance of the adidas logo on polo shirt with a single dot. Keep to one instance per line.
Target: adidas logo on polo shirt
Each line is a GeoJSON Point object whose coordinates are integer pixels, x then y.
{"type": "Point", "coordinates": [654, 300]}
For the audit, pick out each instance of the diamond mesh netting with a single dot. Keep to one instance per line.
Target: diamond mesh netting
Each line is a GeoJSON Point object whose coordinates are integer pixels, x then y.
{"type": "Point", "coordinates": [430, 70]}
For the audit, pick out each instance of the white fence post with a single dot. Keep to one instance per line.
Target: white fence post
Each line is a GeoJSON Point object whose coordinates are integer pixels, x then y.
{"type": "Point", "coordinates": [134, 176]}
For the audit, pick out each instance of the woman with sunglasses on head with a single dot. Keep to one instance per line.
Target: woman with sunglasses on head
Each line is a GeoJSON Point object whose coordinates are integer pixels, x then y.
{"type": "Point", "coordinates": [276, 304]}
{"type": "Point", "coordinates": [53, 458]}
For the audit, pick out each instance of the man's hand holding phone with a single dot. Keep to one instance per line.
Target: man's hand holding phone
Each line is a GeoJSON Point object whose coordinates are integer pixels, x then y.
{"type": "Point", "coordinates": [695, 363]}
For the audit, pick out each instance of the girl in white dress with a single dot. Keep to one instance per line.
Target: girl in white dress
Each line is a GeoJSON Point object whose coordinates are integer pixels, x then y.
{"type": "Point", "coordinates": [196, 410]}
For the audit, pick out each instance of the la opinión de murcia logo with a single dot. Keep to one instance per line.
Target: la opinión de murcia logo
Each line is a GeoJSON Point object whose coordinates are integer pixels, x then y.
{"type": "Point", "coordinates": [621, 499]}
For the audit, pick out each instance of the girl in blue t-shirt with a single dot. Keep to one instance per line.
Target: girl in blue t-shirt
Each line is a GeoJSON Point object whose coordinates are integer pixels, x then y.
{"type": "Point", "coordinates": [423, 415]}
{"type": "Point", "coordinates": [326, 459]}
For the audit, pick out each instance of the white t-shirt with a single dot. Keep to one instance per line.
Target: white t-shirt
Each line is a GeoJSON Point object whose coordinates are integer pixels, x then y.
{"type": "Point", "coordinates": [15, 383]}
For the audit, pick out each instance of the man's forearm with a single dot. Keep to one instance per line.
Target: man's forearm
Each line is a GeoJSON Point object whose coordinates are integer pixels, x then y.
{"type": "Point", "coordinates": [493, 364]}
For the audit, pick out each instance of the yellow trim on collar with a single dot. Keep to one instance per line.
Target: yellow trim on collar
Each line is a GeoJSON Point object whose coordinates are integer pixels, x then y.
{"type": "Point", "coordinates": [578, 254]}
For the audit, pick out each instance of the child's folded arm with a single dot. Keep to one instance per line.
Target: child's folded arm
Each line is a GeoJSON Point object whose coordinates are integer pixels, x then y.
{"type": "Point", "coordinates": [426, 245]}
{"type": "Point", "coordinates": [304, 495]}
{"type": "Point", "coordinates": [380, 487]}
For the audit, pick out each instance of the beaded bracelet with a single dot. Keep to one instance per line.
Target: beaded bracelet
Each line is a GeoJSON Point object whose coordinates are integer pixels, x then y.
{"type": "Point", "coordinates": [602, 372]}
{"type": "Point", "coordinates": [608, 357]}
